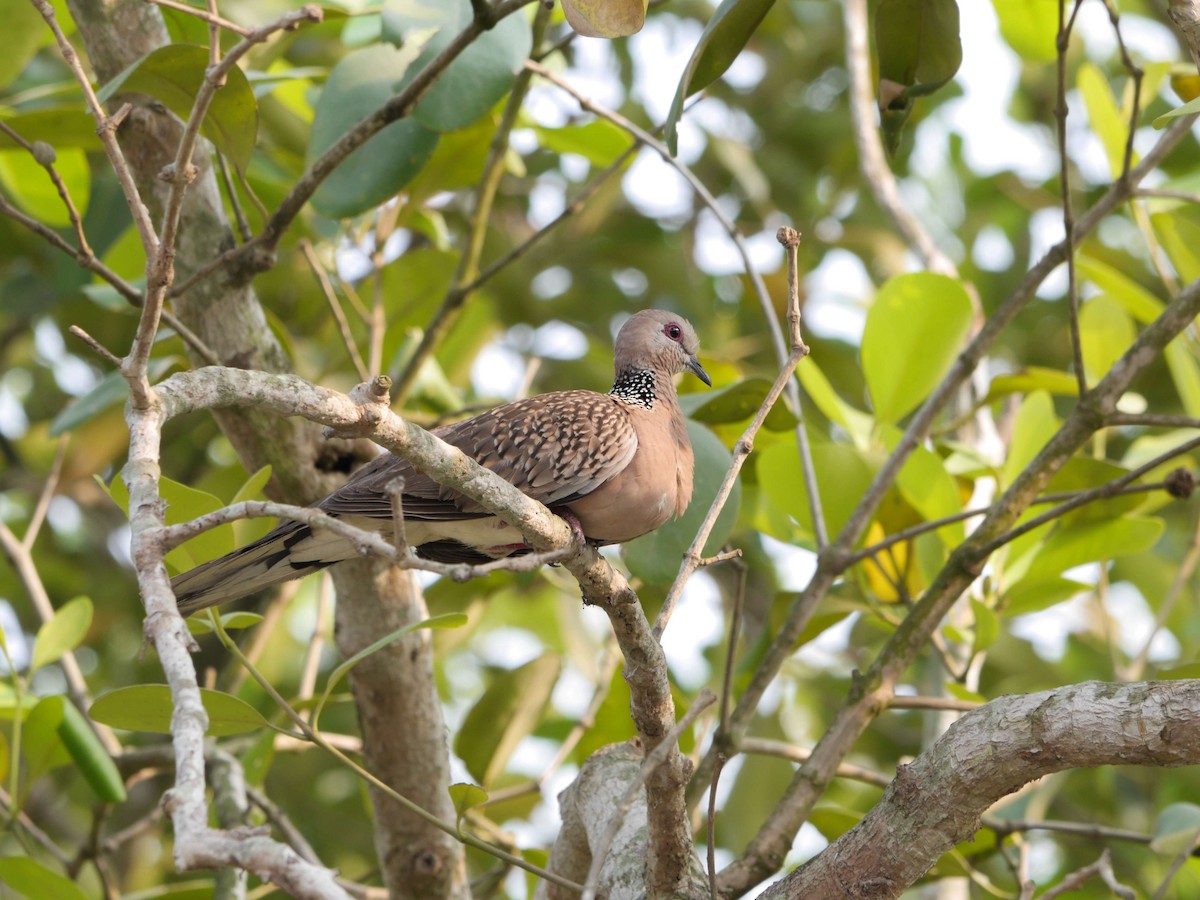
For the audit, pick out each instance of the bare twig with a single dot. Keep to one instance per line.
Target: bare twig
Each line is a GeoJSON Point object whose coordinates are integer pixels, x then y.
{"type": "Point", "coordinates": [1101, 867]}
{"type": "Point", "coordinates": [790, 238]}
{"type": "Point", "coordinates": [1065, 26]}
{"type": "Point", "coordinates": [336, 308]}
{"type": "Point", "coordinates": [208, 16]}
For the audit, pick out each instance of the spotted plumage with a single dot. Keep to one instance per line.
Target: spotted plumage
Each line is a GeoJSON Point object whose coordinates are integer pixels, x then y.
{"type": "Point", "coordinates": [620, 462]}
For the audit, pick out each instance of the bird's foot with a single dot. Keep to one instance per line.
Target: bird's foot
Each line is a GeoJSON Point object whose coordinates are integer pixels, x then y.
{"type": "Point", "coordinates": [572, 521]}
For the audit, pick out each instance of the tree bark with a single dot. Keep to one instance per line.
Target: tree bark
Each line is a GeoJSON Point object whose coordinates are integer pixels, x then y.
{"type": "Point", "coordinates": [936, 801]}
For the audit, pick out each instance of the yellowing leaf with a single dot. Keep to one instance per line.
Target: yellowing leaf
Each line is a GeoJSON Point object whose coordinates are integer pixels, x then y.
{"type": "Point", "coordinates": [605, 18]}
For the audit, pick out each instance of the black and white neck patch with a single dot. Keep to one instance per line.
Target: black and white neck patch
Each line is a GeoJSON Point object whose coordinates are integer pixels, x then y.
{"type": "Point", "coordinates": [636, 386]}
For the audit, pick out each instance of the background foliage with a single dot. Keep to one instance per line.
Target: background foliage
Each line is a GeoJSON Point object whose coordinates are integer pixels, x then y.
{"type": "Point", "coordinates": [1104, 593]}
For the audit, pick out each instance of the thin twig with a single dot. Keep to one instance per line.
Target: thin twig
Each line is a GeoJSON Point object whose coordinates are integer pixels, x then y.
{"type": "Point", "coordinates": [712, 827]}
{"type": "Point", "coordinates": [1061, 110]}
{"type": "Point", "coordinates": [204, 15]}
{"type": "Point", "coordinates": [339, 314]}
{"type": "Point", "coordinates": [1101, 867]}
{"type": "Point", "coordinates": [790, 238]}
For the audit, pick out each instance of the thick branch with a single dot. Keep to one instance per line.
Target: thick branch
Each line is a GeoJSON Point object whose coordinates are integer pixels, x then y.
{"type": "Point", "coordinates": [988, 754]}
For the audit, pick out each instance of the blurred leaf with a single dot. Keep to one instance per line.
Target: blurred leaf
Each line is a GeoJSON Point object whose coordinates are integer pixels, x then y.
{"type": "Point", "coordinates": [927, 487]}
{"type": "Point", "coordinates": [843, 476]}
{"type": "Point", "coordinates": [723, 38]}
{"type": "Point", "coordinates": [464, 797]}
{"type": "Point", "coordinates": [247, 531]}
{"type": "Point", "coordinates": [41, 744]}
{"type": "Point", "coordinates": [959, 692]}
{"type": "Point", "coordinates": [1034, 425]}
{"type": "Point", "coordinates": [476, 80]}
{"type": "Point", "coordinates": [31, 878]}
{"type": "Point", "coordinates": [59, 126]}
{"type": "Point", "coordinates": [30, 187]}
{"type": "Point", "coordinates": [1091, 540]}
{"type": "Point", "coordinates": [987, 626]}
{"type": "Point", "coordinates": [914, 330]}
{"type": "Point", "coordinates": [24, 32]}
{"type": "Point", "coordinates": [64, 632]}
{"type": "Point", "coordinates": [1030, 379]}
{"type": "Point", "coordinates": [174, 75]}
{"type": "Point", "coordinates": [600, 142]}
{"type": "Point", "coordinates": [1180, 237]}
{"type": "Point", "coordinates": [1190, 108]}
{"type": "Point", "coordinates": [1106, 120]}
{"type": "Point", "coordinates": [359, 84]}
{"type": "Point", "coordinates": [505, 714]}
{"type": "Point", "coordinates": [833, 821]}
{"type": "Point", "coordinates": [1030, 27]}
{"type": "Point", "coordinates": [1185, 372]}
{"type": "Point", "coordinates": [919, 51]}
{"type": "Point", "coordinates": [857, 423]}
{"type": "Point", "coordinates": [890, 568]}
{"type": "Point", "coordinates": [1105, 333]}
{"type": "Point", "coordinates": [736, 403]}
{"type": "Point", "coordinates": [148, 707]}
{"type": "Point", "coordinates": [655, 557]}
{"type": "Point", "coordinates": [91, 759]}
{"type": "Point", "coordinates": [605, 18]}
{"type": "Point", "coordinates": [1176, 829]}
{"type": "Point", "coordinates": [107, 393]}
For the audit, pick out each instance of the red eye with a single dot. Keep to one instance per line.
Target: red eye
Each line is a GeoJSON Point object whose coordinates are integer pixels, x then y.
{"type": "Point", "coordinates": [673, 331]}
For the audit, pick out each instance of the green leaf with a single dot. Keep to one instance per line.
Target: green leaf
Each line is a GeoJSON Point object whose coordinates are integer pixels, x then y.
{"type": "Point", "coordinates": [32, 190]}
{"type": "Point", "coordinates": [605, 18]}
{"type": "Point", "coordinates": [59, 126]}
{"type": "Point", "coordinates": [1034, 425]}
{"type": "Point", "coordinates": [1030, 379]}
{"type": "Point", "coordinates": [1180, 237]}
{"type": "Point", "coordinates": [247, 531]}
{"type": "Point", "coordinates": [600, 142]}
{"type": "Point", "coordinates": [1107, 122]}
{"type": "Point", "coordinates": [1105, 332]}
{"type": "Point", "coordinates": [987, 625]}
{"type": "Point", "coordinates": [29, 877]}
{"type": "Point", "coordinates": [199, 625]}
{"type": "Point", "coordinates": [91, 759]}
{"type": "Point", "coordinates": [1092, 540]}
{"type": "Point", "coordinates": [655, 557]}
{"type": "Point", "coordinates": [24, 32]}
{"type": "Point", "coordinates": [483, 73]}
{"type": "Point", "coordinates": [857, 423]}
{"type": "Point", "coordinates": [359, 84]}
{"type": "Point", "coordinates": [959, 692]}
{"type": "Point", "coordinates": [1137, 300]}
{"type": "Point", "coordinates": [464, 797]}
{"type": "Point", "coordinates": [148, 707]}
{"type": "Point", "coordinates": [919, 51]}
{"type": "Point", "coordinates": [1185, 372]}
{"type": "Point", "coordinates": [723, 38]}
{"type": "Point", "coordinates": [913, 332]}
{"type": "Point", "coordinates": [183, 504]}
{"type": "Point", "coordinates": [41, 744]}
{"type": "Point", "coordinates": [449, 620]}
{"type": "Point", "coordinates": [1188, 109]}
{"type": "Point", "coordinates": [1033, 596]}
{"type": "Point", "coordinates": [505, 714]}
{"type": "Point", "coordinates": [1176, 829]}
{"type": "Point", "coordinates": [736, 403]}
{"type": "Point", "coordinates": [109, 391]}
{"type": "Point", "coordinates": [1030, 27]}
{"type": "Point", "coordinates": [843, 475]}
{"type": "Point", "coordinates": [65, 631]}
{"type": "Point", "coordinates": [174, 74]}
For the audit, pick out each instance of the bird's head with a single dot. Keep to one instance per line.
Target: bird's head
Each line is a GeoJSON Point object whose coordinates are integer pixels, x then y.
{"type": "Point", "coordinates": [660, 340]}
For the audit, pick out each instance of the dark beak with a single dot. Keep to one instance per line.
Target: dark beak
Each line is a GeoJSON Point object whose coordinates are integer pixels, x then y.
{"type": "Point", "coordinates": [698, 370]}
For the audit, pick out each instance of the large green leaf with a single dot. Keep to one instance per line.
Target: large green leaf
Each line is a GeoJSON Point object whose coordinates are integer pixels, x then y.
{"type": "Point", "coordinates": [1090, 540]}
{"type": "Point", "coordinates": [843, 475]}
{"type": "Point", "coordinates": [655, 557]}
{"type": "Point", "coordinates": [723, 38]}
{"type": "Point", "coordinates": [1030, 27]}
{"type": "Point", "coordinates": [913, 332]}
{"type": "Point", "coordinates": [1180, 237]}
{"type": "Point", "coordinates": [1107, 122]}
{"type": "Point", "coordinates": [1034, 425]}
{"type": "Point", "coordinates": [1176, 829]}
{"type": "Point", "coordinates": [1105, 332]}
{"type": "Point", "coordinates": [58, 126]}
{"type": "Point", "coordinates": [736, 403]}
{"type": "Point", "coordinates": [148, 707]}
{"type": "Point", "coordinates": [174, 74]}
{"type": "Point", "coordinates": [358, 85]}
{"type": "Point", "coordinates": [31, 188]}
{"type": "Point", "coordinates": [505, 714]}
{"type": "Point", "coordinates": [600, 142]}
{"type": "Point", "coordinates": [482, 74]}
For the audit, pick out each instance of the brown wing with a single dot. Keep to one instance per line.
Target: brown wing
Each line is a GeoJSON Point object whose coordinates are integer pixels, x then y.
{"type": "Point", "coordinates": [554, 447]}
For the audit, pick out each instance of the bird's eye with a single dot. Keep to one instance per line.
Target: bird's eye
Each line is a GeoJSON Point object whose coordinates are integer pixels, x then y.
{"type": "Point", "coordinates": [673, 331]}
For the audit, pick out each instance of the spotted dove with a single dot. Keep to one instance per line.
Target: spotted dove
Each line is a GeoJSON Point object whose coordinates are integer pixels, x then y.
{"type": "Point", "coordinates": [620, 463]}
